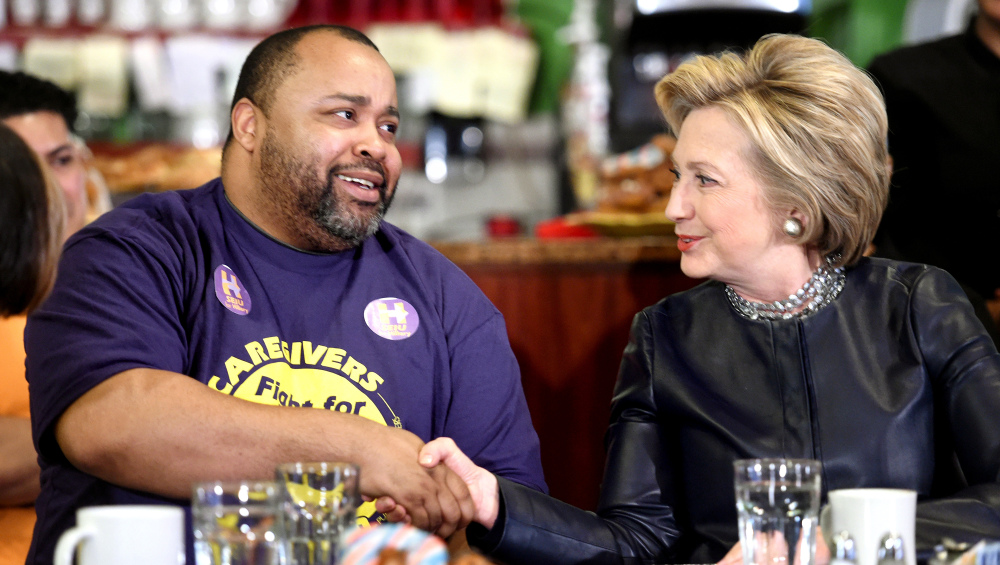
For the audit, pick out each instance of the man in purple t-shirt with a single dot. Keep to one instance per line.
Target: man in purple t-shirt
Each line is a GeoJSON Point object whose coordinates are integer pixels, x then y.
{"type": "Point", "coordinates": [272, 316]}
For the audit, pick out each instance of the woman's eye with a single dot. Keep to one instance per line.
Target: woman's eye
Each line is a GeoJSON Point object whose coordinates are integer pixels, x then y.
{"type": "Point", "coordinates": [676, 173]}
{"type": "Point", "coordinates": [705, 180]}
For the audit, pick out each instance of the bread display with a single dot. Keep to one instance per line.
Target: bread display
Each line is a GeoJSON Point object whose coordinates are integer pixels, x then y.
{"type": "Point", "coordinates": [158, 166]}
{"type": "Point", "coordinates": [638, 181]}
{"type": "Point", "coordinates": [634, 188]}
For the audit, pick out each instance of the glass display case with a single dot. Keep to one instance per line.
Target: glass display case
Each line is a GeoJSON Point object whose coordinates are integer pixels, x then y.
{"type": "Point", "coordinates": [652, 37]}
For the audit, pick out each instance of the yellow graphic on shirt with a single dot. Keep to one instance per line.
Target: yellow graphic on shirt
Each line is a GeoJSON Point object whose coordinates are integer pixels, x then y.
{"type": "Point", "coordinates": [300, 374]}
{"type": "Point", "coordinates": [283, 385]}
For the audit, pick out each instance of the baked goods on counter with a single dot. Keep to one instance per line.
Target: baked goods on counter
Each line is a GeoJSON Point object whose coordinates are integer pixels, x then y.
{"type": "Point", "coordinates": [155, 166]}
{"type": "Point", "coordinates": [97, 194]}
{"type": "Point", "coordinates": [638, 181]}
{"type": "Point", "coordinates": [633, 192]}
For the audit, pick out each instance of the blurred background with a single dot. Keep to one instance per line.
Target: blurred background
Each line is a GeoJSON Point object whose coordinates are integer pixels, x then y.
{"type": "Point", "coordinates": [533, 150]}
{"type": "Point", "coordinates": [510, 107]}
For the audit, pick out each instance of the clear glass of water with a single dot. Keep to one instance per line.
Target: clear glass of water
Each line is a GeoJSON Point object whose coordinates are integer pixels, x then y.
{"type": "Point", "coordinates": [777, 501]}
{"type": "Point", "coordinates": [320, 500]}
{"type": "Point", "coordinates": [238, 523]}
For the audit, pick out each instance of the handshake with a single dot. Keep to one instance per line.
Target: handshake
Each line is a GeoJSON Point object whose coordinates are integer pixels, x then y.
{"type": "Point", "coordinates": [452, 492]}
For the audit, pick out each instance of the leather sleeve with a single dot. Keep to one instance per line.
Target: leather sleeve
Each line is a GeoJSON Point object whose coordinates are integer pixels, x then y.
{"type": "Point", "coordinates": [637, 490]}
{"type": "Point", "coordinates": [633, 524]}
{"type": "Point", "coordinates": [965, 368]}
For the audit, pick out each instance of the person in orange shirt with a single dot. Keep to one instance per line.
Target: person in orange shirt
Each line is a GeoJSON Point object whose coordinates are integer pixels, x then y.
{"type": "Point", "coordinates": [18, 466]}
{"type": "Point", "coordinates": [41, 114]}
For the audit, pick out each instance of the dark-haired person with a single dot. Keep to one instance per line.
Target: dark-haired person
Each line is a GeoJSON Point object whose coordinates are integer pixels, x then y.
{"type": "Point", "coordinates": [42, 114]}
{"type": "Point", "coordinates": [272, 316]}
{"type": "Point", "coordinates": [943, 102]}
{"type": "Point", "coordinates": [32, 216]}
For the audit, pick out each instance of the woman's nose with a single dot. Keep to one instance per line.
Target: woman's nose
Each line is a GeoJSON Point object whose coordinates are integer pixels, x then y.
{"type": "Point", "coordinates": [678, 208]}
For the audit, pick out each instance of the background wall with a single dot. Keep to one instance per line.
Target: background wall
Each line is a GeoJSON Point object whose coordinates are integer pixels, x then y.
{"type": "Point", "coordinates": [860, 29]}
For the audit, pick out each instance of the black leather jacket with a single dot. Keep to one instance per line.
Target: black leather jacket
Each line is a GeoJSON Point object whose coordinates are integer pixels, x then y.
{"type": "Point", "coordinates": [893, 384]}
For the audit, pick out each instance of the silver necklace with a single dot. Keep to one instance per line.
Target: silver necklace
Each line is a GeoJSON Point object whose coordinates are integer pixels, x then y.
{"type": "Point", "coordinates": [822, 288]}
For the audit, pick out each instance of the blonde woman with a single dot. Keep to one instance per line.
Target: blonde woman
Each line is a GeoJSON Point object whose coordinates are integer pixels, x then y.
{"type": "Point", "coordinates": [798, 346]}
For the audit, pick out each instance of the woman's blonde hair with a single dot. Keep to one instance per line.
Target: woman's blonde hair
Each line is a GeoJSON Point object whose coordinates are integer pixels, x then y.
{"type": "Point", "coordinates": [817, 129]}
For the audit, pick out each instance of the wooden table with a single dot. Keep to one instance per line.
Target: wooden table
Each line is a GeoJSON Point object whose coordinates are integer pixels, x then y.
{"type": "Point", "coordinates": [568, 305]}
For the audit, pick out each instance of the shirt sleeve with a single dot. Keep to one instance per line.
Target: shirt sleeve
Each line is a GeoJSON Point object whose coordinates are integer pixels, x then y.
{"type": "Point", "coordinates": [488, 415]}
{"type": "Point", "coordinates": [637, 492]}
{"type": "Point", "coordinates": [114, 307]}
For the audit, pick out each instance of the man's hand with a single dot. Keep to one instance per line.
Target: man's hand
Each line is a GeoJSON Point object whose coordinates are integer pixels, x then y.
{"type": "Point", "coordinates": [116, 432]}
{"type": "Point", "coordinates": [482, 484]}
{"type": "Point", "coordinates": [434, 499]}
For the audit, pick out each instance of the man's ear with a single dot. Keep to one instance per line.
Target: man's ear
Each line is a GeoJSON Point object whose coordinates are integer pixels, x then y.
{"type": "Point", "coordinates": [245, 119]}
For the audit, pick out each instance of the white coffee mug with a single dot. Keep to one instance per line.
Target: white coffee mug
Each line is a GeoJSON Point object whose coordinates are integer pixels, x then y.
{"type": "Point", "coordinates": [124, 535]}
{"type": "Point", "coordinates": [867, 516]}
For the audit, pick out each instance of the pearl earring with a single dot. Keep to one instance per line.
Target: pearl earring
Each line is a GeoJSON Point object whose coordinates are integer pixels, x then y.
{"type": "Point", "coordinates": [792, 227]}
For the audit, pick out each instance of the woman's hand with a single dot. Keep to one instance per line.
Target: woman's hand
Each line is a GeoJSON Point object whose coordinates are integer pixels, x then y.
{"type": "Point", "coordinates": [482, 484]}
{"type": "Point", "coordinates": [822, 551]}
{"type": "Point", "coordinates": [735, 555]}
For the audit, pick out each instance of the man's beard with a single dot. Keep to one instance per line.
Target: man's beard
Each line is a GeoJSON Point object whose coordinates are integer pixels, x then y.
{"type": "Point", "coordinates": [331, 213]}
{"type": "Point", "coordinates": [311, 207]}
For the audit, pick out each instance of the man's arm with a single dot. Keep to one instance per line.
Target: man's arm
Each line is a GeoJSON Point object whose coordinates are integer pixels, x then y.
{"type": "Point", "coordinates": [18, 462]}
{"type": "Point", "coordinates": [161, 432]}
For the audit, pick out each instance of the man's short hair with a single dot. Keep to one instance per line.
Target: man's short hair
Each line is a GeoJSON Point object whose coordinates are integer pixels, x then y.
{"type": "Point", "coordinates": [21, 93]}
{"type": "Point", "coordinates": [274, 58]}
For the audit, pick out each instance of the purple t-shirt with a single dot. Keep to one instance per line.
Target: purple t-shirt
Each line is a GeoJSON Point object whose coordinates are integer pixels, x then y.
{"type": "Point", "coordinates": [180, 281]}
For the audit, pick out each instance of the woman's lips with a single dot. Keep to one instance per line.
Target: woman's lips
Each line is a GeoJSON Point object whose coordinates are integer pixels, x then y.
{"type": "Point", "coordinates": [686, 242]}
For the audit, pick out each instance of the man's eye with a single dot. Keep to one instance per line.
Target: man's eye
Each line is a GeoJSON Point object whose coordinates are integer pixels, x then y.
{"type": "Point", "coordinates": [61, 161]}
{"type": "Point", "coordinates": [391, 128]}
{"type": "Point", "coordinates": [346, 114]}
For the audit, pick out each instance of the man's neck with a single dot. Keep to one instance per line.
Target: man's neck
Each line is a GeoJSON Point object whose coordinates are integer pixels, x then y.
{"type": "Point", "coordinates": [988, 32]}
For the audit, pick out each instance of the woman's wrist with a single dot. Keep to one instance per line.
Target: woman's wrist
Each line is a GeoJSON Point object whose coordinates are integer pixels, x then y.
{"type": "Point", "coordinates": [490, 507]}
{"type": "Point", "coordinates": [481, 536]}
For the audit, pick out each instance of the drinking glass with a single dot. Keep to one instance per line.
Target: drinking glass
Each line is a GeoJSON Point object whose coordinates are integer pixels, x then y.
{"type": "Point", "coordinates": [238, 523]}
{"type": "Point", "coordinates": [778, 505]}
{"type": "Point", "coordinates": [320, 501]}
